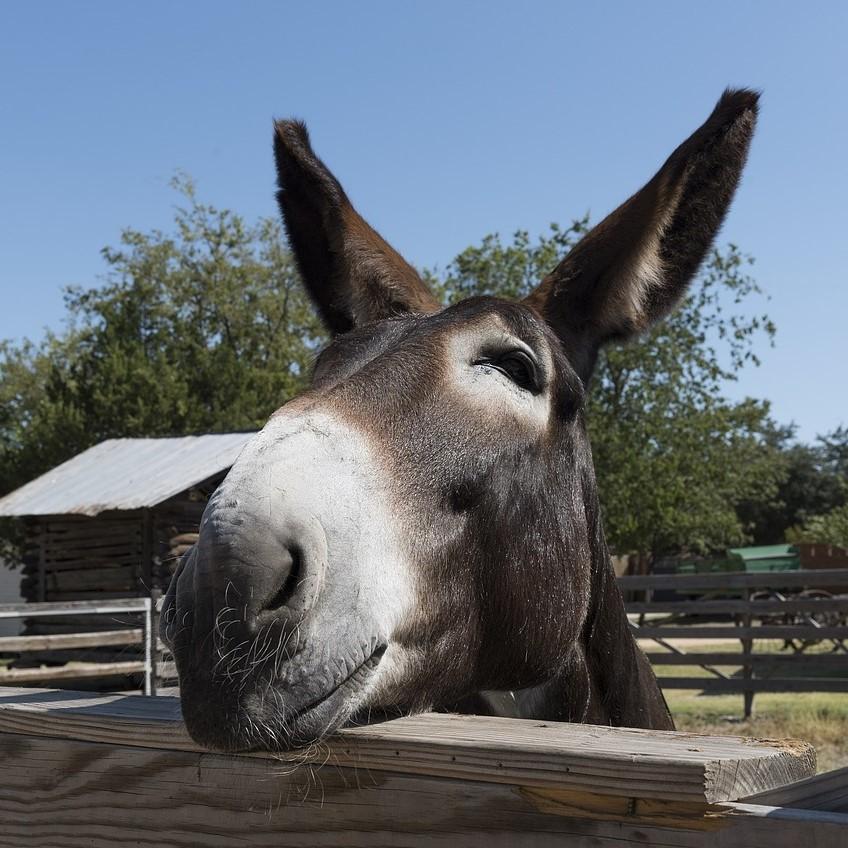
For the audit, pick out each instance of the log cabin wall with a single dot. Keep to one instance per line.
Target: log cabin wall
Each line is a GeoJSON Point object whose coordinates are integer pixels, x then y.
{"type": "Point", "coordinates": [76, 558]}
{"type": "Point", "coordinates": [117, 554]}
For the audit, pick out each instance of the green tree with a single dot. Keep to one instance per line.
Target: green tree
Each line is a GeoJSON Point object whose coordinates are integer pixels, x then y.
{"type": "Point", "coordinates": [814, 483]}
{"type": "Point", "coordinates": [830, 528]}
{"type": "Point", "coordinates": [205, 329]}
{"type": "Point", "coordinates": [673, 456]}
{"type": "Point", "coordinates": [834, 452]}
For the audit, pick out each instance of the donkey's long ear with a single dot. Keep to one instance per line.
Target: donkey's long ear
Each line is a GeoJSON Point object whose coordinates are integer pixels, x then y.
{"type": "Point", "coordinates": [351, 274]}
{"type": "Point", "coordinates": [632, 268]}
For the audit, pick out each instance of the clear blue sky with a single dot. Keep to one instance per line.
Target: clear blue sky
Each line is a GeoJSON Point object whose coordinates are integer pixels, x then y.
{"type": "Point", "coordinates": [444, 120]}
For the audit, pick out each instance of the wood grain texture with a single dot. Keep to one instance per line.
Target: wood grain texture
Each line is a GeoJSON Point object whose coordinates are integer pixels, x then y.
{"type": "Point", "coordinates": [737, 607]}
{"type": "Point", "coordinates": [827, 791]}
{"type": "Point", "coordinates": [762, 631]}
{"type": "Point", "coordinates": [13, 677]}
{"type": "Point", "coordinates": [752, 684]}
{"type": "Point", "coordinates": [122, 605]}
{"type": "Point", "coordinates": [770, 661]}
{"type": "Point", "coordinates": [610, 761]}
{"type": "Point", "coordinates": [59, 793]}
{"type": "Point", "coordinates": [737, 580]}
{"type": "Point", "coordinates": [101, 638]}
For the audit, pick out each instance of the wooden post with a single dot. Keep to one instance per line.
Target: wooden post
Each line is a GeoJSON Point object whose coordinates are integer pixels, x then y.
{"type": "Point", "coordinates": [146, 551]}
{"type": "Point", "coordinates": [155, 653]}
{"type": "Point", "coordinates": [147, 683]}
{"type": "Point", "coordinates": [747, 668]}
{"type": "Point", "coordinates": [42, 566]}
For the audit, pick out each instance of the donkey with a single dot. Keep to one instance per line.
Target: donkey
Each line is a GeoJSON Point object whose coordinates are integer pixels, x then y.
{"type": "Point", "coordinates": [420, 529]}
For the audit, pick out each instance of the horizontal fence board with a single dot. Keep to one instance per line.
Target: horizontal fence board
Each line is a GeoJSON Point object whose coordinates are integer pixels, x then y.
{"type": "Point", "coordinates": [15, 644]}
{"type": "Point", "coordinates": [110, 605]}
{"type": "Point", "coordinates": [71, 671]}
{"type": "Point", "coordinates": [121, 579]}
{"type": "Point", "coordinates": [612, 761]}
{"type": "Point", "coordinates": [827, 791]}
{"type": "Point", "coordinates": [61, 793]}
{"type": "Point", "coordinates": [65, 597]}
{"type": "Point", "coordinates": [809, 620]}
{"type": "Point", "coordinates": [763, 631]}
{"type": "Point", "coordinates": [737, 580]}
{"type": "Point", "coordinates": [830, 660]}
{"type": "Point", "coordinates": [754, 684]}
{"type": "Point", "coordinates": [84, 623]}
{"type": "Point", "coordinates": [740, 607]}
{"type": "Point", "coordinates": [94, 656]}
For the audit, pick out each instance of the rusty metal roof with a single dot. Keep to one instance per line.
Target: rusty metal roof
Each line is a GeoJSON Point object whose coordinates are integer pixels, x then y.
{"type": "Point", "coordinates": [125, 474]}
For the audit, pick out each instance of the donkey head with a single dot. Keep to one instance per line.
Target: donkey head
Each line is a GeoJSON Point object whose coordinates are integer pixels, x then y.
{"type": "Point", "coordinates": [422, 523]}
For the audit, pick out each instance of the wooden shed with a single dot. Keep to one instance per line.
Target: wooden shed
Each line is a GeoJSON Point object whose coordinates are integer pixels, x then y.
{"type": "Point", "coordinates": [112, 521]}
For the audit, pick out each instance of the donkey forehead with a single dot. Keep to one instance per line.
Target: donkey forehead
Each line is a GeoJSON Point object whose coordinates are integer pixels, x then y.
{"type": "Point", "coordinates": [465, 329]}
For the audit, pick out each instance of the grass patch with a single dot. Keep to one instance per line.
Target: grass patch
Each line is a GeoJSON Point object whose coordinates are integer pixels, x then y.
{"type": "Point", "coordinates": [820, 718]}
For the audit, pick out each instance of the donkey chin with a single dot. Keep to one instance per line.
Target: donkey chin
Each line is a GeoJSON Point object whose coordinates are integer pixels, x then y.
{"type": "Point", "coordinates": [278, 707]}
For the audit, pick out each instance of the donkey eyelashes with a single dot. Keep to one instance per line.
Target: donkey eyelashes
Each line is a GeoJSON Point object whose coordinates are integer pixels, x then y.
{"type": "Point", "coordinates": [519, 366]}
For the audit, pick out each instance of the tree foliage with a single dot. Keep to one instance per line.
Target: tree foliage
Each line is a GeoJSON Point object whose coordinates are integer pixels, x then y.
{"type": "Point", "coordinates": [830, 528]}
{"type": "Point", "coordinates": [204, 329]}
{"type": "Point", "coordinates": [815, 481]}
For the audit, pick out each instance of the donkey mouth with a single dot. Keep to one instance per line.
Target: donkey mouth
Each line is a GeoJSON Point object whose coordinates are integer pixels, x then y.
{"type": "Point", "coordinates": [262, 720]}
{"type": "Point", "coordinates": [335, 697]}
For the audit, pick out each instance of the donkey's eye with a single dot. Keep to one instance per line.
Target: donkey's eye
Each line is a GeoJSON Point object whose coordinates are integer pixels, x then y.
{"type": "Point", "coordinates": [518, 365]}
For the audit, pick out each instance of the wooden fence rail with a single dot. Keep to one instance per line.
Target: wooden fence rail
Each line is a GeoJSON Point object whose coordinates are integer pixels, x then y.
{"type": "Point", "coordinates": [663, 621]}
{"type": "Point", "coordinates": [727, 580]}
{"type": "Point", "coordinates": [106, 770]}
{"type": "Point", "coordinates": [726, 602]}
{"type": "Point", "coordinates": [148, 666]}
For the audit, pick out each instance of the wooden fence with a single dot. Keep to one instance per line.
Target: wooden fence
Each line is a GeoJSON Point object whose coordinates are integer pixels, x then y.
{"type": "Point", "coordinates": [114, 770]}
{"type": "Point", "coordinates": [144, 639]}
{"type": "Point", "coordinates": [790, 606]}
{"type": "Point", "coordinates": [737, 605]}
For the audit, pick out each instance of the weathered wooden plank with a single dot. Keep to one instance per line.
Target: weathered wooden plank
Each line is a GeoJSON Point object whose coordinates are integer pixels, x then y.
{"type": "Point", "coordinates": [118, 605]}
{"type": "Point", "coordinates": [61, 793]}
{"type": "Point", "coordinates": [87, 623]}
{"type": "Point", "coordinates": [737, 580]}
{"type": "Point", "coordinates": [57, 567]}
{"type": "Point", "coordinates": [124, 537]}
{"type": "Point", "coordinates": [86, 553]}
{"type": "Point", "coordinates": [830, 660]}
{"type": "Point", "coordinates": [72, 597]}
{"type": "Point", "coordinates": [83, 523]}
{"type": "Point", "coordinates": [615, 761]}
{"type": "Point", "coordinates": [101, 578]}
{"type": "Point", "coordinates": [755, 684]}
{"type": "Point", "coordinates": [70, 671]}
{"type": "Point", "coordinates": [58, 642]}
{"type": "Point", "coordinates": [827, 791]}
{"type": "Point", "coordinates": [93, 656]}
{"type": "Point", "coordinates": [733, 606]}
{"type": "Point", "coordinates": [763, 631]}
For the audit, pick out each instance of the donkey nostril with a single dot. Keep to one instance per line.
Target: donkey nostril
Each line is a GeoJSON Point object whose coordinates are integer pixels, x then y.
{"type": "Point", "coordinates": [282, 597]}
